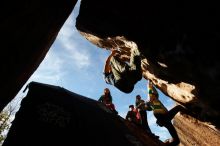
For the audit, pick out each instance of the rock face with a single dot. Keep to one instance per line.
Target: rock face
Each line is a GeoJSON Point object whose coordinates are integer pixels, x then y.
{"type": "Point", "coordinates": [179, 41]}
{"type": "Point", "coordinates": [53, 116]}
{"type": "Point", "coordinates": [193, 132]}
{"type": "Point", "coordinates": [28, 29]}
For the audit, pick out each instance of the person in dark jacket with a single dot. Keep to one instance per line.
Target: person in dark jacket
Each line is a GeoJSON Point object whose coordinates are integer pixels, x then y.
{"type": "Point", "coordinates": [140, 105]}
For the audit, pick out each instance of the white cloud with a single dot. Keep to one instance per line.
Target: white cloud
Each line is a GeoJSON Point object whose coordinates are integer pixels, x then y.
{"type": "Point", "coordinates": [70, 41]}
{"type": "Point", "coordinates": [50, 70]}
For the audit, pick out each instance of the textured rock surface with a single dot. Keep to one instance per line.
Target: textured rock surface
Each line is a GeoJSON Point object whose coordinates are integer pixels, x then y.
{"type": "Point", "coordinates": [179, 40]}
{"type": "Point", "coordinates": [192, 132]}
{"type": "Point", "coordinates": [53, 116]}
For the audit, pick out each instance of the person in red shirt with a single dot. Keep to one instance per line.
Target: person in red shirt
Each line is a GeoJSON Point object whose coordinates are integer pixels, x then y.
{"type": "Point", "coordinates": [133, 116]}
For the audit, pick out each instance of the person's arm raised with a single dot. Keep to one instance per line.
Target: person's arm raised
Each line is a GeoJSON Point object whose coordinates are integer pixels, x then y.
{"type": "Point", "coordinates": [107, 67]}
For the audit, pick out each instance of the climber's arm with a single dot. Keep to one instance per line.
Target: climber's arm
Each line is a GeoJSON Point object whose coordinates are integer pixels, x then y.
{"type": "Point", "coordinates": [107, 67]}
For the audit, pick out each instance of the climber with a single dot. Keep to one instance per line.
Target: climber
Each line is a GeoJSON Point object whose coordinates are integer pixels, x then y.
{"type": "Point", "coordinates": [133, 115]}
{"type": "Point", "coordinates": [162, 115]}
{"type": "Point", "coordinates": [120, 73]}
{"type": "Point", "coordinates": [106, 98]}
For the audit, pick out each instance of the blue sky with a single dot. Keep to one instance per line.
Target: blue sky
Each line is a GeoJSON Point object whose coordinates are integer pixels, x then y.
{"type": "Point", "coordinates": [77, 65]}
